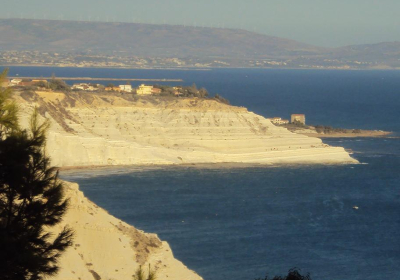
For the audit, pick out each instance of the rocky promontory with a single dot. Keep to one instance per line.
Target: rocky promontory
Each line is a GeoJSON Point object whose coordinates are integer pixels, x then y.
{"type": "Point", "coordinates": [112, 129]}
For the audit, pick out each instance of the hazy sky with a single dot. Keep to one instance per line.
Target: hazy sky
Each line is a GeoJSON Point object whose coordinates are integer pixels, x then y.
{"type": "Point", "coordinates": [319, 22]}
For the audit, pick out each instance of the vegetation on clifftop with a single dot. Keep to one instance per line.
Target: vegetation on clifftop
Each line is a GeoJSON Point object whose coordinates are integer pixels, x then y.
{"type": "Point", "coordinates": [59, 85]}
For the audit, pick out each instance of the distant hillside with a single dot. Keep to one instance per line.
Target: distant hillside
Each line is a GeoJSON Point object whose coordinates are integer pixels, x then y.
{"type": "Point", "coordinates": [144, 39]}
{"type": "Point", "coordinates": [134, 45]}
{"type": "Point", "coordinates": [379, 51]}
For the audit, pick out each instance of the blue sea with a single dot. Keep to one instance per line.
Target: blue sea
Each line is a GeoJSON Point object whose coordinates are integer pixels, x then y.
{"type": "Point", "coordinates": [238, 222]}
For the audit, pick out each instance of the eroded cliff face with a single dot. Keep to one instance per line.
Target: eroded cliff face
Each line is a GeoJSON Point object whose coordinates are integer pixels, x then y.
{"type": "Point", "coordinates": [107, 248]}
{"type": "Point", "coordinates": [89, 129]}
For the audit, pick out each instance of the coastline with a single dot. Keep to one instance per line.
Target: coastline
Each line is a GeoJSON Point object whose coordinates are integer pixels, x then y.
{"type": "Point", "coordinates": [204, 165]}
{"type": "Point", "coordinates": [114, 67]}
{"type": "Point", "coordinates": [366, 134]}
{"type": "Point", "coordinates": [100, 79]}
{"type": "Point", "coordinates": [194, 68]}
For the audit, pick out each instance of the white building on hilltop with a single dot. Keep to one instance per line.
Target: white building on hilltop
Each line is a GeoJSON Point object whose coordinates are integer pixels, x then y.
{"type": "Point", "coordinates": [84, 86]}
{"type": "Point", "coordinates": [144, 90]}
{"type": "Point", "coordinates": [125, 88]}
{"type": "Point", "coordinates": [15, 82]}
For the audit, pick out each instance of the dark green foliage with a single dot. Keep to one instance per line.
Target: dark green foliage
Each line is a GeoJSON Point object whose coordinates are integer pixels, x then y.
{"type": "Point", "coordinates": [31, 201]}
{"type": "Point", "coordinates": [166, 90]}
{"type": "Point", "coordinates": [219, 98]}
{"type": "Point", "coordinates": [57, 84]}
{"type": "Point", "coordinates": [298, 124]}
{"type": "Point", "coordinates": [319, 128]}
{"type": "Point", "coordinates": [140, 274]}
{"type": "Point", "coordinates": [203, 93]}
{"type": "Point", "coordinates": [329, 129]}
{"type": "Point", "coordinates": [41, 84]}
{"type": "Point", "coordinates": [293, 274]}
{"type": "Point", "coordinates": [191, 91]}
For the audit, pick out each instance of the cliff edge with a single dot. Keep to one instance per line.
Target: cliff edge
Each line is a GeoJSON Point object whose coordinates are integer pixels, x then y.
{"type": "Point", "coordinates": [113, 129]}
{"type": "Point", "coordinates": [107, 248]}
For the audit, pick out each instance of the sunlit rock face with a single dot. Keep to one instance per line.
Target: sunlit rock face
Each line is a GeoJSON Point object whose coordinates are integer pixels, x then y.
{"type": "Point", "coordinates": [89, 129]}
{"type": "Point", "coordinates": [107, 248]}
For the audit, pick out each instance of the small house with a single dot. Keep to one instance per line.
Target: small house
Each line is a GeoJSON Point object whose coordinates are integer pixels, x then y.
{"type": "Point", "coordinates": [144, 90]}
{"type": "Point", "coordinates": [15, 82]}
{"type": "Point", "coordinates": [156, 90]}
{"type": "Point", "coordinates": [86, 87]}
{"type": "Point", "coordinates": [26, 84]}
{"type": "Point", "coordinates": [36, 81]}
{"type": "Point", "coordinates": [125, 88]}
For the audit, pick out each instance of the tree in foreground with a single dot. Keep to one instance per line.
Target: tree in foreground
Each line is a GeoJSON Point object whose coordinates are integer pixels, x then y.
{"type": "Point", "coordinates": [31, 199]}
{"type": "Point", "coordinates": [293, 274]}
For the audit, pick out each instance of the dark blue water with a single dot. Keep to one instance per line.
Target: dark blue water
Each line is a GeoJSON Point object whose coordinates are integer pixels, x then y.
{"type": "Point", "coordinates": [240, 223]}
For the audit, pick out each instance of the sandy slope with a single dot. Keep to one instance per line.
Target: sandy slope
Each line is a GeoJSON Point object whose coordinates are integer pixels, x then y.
{"type": "Point", "coordinates": [110, 130]}
{"type": "Point", "coordinates": [110, 248]}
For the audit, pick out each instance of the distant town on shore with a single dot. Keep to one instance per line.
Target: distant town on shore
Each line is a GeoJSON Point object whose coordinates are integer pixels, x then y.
{"type": "Point", "coordinates": [58, 43]}
{"type": "Point", "coordinates": [121, 60]}
{"type": "Point", "coordinates": [55, 84]}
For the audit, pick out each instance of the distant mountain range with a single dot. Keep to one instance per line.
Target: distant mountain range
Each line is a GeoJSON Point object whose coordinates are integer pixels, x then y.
{"type": "Point", "coordinates": [193, 46]}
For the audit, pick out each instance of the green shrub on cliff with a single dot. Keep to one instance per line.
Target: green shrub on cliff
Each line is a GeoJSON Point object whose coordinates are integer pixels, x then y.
{"type": "Point", "coordinates": [140, 274]}
{"type": "Point", "coordinates": [221, 99]}
{"type": "Point", "coordinates": [58, 84]}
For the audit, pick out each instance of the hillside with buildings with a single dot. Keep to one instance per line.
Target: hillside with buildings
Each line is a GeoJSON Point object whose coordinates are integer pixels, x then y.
{"type": "Point", "coordinates": [134, 45]}
{"type": "Point", "coordinates": [49, 85]}
{"type": "Point", "coordinates": [296, 124]}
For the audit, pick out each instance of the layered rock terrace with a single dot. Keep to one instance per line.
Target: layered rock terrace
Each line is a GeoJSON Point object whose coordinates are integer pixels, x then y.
{"type": "Point", "coordinates": [95, 129]}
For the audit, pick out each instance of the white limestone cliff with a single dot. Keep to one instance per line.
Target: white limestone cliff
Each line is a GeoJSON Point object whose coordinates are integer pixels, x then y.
{"type": "Point", "coordinates": [89, 130]}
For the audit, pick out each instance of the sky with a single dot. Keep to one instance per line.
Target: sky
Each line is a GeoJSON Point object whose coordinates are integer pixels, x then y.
{"type": "Point", "coordinates": [328, 23]}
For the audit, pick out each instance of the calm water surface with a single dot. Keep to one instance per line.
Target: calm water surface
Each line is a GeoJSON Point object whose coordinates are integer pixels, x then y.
{"type": "Point", "coordinates": [242, 222]}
